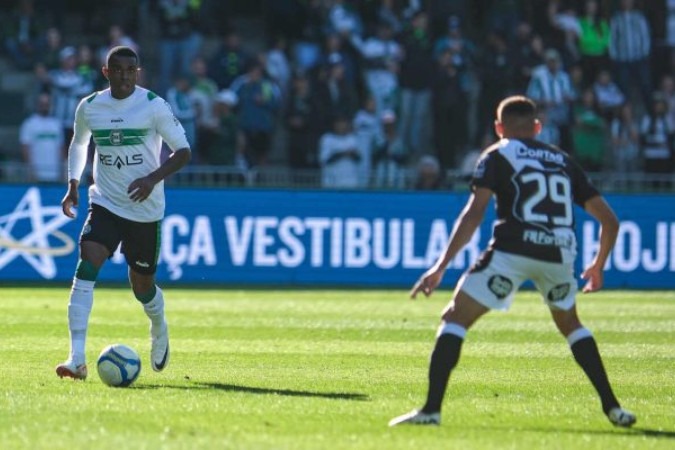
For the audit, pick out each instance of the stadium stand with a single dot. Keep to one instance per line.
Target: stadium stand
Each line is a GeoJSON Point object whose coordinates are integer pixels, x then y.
{"type": "Point", "coordinates": [461, 38]}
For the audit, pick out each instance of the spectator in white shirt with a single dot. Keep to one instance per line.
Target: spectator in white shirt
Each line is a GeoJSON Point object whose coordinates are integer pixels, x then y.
{"type": "Point", "coordinates": [381, 56]}
{"type": "Point", "coordinates": [42, 143]}
{"type": "Point", "coordinates": [368, 129]}
{"type": "Point", "coordinates": [340, 156]}
{"type": "Point", "coordinates": [551, 87]}
{"type": "Point", "coordinates": [629, 50]}
{"type": "Point", "coordinates": [609, 96]}
{"type": "Point", "coordinates": [67, 87]}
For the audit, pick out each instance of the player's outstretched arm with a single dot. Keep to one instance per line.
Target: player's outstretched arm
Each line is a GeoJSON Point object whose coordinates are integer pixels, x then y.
{"type": "Point", "coordinates": [141, 188]}
{"type": "Point", "coordinates": [470, 218]}
{"type": "Point", "coordinates": [609, 228]}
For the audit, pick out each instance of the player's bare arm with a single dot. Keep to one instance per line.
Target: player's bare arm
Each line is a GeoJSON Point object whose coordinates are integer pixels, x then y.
{"type": "Point", "coordinates": [609, 228]}
{"type": "Point", "coordinates": [141, 188]}
{"type": "Point", "coordinates": [465, 226]}
{"type": "Point", "coordinates": [71, 199]}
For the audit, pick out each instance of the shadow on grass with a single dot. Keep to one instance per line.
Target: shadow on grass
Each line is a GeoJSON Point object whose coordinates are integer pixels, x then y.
{"type": "Point", "coordinates": [634, 431]}
{"type": "Point", "coordinates": [652, 433]}
{"type": "Point", "coordinates": [259, 390]}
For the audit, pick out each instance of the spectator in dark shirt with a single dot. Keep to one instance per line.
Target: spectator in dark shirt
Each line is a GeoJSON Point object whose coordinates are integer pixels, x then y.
{"type": "Point", "coordinates": [259, 101]}
{"type": "Point", "coordinates": [23, 31]}
{"type": "Point", "coordinates": [450, 103]}
{"type": "Point", "coordinates": [49, 58]}
{"type": "Point", "coordinates": [179, 40]}
{"type": "Point", "coordinates": [527, 54]}
{"type": "Point", "coordinates": [302, 124]}
{"type": "Point", "coordinates": [335, 94]}
{"type": "Point", "coordinates": [227, 146]}
{"type": "Point", "coordinates": [415, 78]}
{"type": "Point", "coordinates": [229, 61]}
{"type": "Point", "coordinates": [335, 48]}
{"type": "Point", "coordinates": [497, 76]}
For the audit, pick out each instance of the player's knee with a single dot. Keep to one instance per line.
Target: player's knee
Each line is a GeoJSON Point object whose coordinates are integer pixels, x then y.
{"type": "Point", "coordinates": [448, 312]}
{"type": "Point", "coordinates": [143, 286]}
{"type": "Point", "coordinates": [463, 310]}
{"type": "Point", "coordinates": [94, 252]}
{"type": "Point", "coordinates": [145, 295]}
{"type": "Point", "coordinates": [566, 321]}
{"type": "Point", "coordinates": [455, 315]}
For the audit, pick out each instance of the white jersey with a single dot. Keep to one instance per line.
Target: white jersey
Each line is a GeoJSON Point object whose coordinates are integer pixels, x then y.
{"type": "Point", "coordinates": [128, 134]}
{"type": "Point", "coordinates": [342, 172]}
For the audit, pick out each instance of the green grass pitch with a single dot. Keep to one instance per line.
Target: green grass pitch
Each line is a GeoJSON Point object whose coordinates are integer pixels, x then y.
{"type": "Point", "coordinates": [327, 369]}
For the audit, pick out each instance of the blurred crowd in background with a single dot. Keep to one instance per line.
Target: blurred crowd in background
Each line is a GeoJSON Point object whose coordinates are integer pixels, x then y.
{"type": "Point", "coordinates": [360, 92]}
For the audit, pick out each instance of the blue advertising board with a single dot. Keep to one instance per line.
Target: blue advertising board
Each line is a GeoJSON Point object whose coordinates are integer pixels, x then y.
{"type": "Point", "coordinates": [313, 238]}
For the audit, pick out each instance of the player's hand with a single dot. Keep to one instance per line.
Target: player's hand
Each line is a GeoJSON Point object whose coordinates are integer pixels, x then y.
{"type": "Point", "coordinates": [70, 200]}
{"type": "Point", "coordinates": [427, 282]}
{"type": "Point", "coordinates": [595, 278]}
{"type": "Point", "coordinates": [140, 189]}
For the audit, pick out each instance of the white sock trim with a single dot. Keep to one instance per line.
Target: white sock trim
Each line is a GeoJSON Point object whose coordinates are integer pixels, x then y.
{"type": "Point", "coordinates": [451, 328]}
{"type": "Point", "coordinates": [578, 334]}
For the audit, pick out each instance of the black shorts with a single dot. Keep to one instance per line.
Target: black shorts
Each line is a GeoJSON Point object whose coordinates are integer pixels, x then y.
{"type": "Point", "coordinates": [140, 240]}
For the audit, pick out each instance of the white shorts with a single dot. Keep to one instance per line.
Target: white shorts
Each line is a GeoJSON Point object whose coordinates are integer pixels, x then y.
{"type": "Point", "coordinates": [494, 280]}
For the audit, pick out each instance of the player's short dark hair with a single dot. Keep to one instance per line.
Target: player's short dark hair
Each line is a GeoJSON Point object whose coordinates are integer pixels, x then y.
{"type": "Point", "coordinates": [517, 109]}
{"type": "Point", "coordinates": [122, 50]}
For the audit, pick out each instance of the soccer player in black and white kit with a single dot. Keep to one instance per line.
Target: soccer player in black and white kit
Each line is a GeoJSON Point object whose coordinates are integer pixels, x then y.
{"type": "Point", "coordinates": [128, 124]}
{"type": "Point", "coordinates": [535, 186]}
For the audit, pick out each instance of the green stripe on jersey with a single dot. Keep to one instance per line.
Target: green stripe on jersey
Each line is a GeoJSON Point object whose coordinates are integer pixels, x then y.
{"type": "Point", "coordinates": [126, 131]}
{"type": "Point", "coordinates": [119, 136]}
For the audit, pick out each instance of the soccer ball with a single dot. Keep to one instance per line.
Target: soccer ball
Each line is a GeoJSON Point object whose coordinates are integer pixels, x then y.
{"type": "Point", "coordinates": [118, 365]}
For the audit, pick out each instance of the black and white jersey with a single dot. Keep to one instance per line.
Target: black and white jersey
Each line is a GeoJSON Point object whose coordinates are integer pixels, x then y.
{"type": "Point", "coordinates": [535, 186]}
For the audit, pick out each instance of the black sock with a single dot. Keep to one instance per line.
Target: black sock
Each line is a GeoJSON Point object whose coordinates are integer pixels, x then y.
{"type": "Point", "coordinates": [443, 359]}
{"type": "Point", "coordinates": [586, 354]}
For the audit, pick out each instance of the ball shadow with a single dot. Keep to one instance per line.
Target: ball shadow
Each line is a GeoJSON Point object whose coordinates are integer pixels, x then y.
{"type": "Point", "coordinates": [226, 387]}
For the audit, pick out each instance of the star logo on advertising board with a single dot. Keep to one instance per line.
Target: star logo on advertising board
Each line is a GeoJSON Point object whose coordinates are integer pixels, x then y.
{"type": "Point", "coordinates": [41, 242]}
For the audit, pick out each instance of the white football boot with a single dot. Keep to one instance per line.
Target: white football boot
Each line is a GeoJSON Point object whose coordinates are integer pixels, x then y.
{"type": "Point", "coordinates": [159, 352]}
{"type": "Point", "coordinates": [416, 417]}
{"type": "Point", "coordinates": [68, 369]}
{"type": "Point", "coordinates": [621, 417]}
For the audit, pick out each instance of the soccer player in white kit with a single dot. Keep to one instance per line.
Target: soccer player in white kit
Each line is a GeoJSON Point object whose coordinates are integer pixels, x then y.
{"type": "Point", "coordinates": [535, 186]}
{"type": "Point", "coordinates": [128, 124]}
